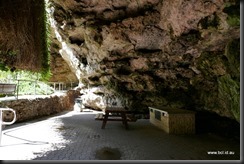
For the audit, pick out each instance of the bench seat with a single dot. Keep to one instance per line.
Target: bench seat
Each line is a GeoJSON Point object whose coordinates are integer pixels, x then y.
{"type": "Point", "coordinates": [7, 88]}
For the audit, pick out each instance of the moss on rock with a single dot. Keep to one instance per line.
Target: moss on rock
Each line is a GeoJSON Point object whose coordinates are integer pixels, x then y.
{"type": "Point", "coordinates": [233, 12]}
{"type": "Point", "coordinates": [232, 52]}
{"type": "Point", "coordinates": [229, 95]}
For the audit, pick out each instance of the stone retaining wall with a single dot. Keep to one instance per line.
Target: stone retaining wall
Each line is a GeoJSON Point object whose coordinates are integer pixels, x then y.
{"type": "Point", "coordinates": [27, 109]}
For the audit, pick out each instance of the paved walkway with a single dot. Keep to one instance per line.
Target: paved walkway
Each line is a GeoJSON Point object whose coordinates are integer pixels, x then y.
{"type": "Point", "coordinates": [78, 136]}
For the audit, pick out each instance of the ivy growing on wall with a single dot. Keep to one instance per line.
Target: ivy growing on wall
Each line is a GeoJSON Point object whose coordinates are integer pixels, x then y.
{"type": "Point", "coordinates": [45, 44]}
{"type": "Point", "coordinates": [24, 30]}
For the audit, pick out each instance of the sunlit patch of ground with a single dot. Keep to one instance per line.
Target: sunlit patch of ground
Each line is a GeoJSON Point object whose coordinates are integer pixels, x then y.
{"type": "Point", "coordinates": [31, 140]}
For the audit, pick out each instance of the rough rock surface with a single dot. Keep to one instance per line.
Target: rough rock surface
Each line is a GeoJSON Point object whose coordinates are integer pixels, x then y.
{"type": "Point", "coordinates": [180, 53]}
{"type": "Point", "coordinates": [36, 108]}
{"type": "Point", "coordinates": [61, 71]}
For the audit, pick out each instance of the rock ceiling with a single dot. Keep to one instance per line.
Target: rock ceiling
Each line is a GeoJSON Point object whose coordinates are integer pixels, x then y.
{"type": "Point", "coordinates": [183, 54]}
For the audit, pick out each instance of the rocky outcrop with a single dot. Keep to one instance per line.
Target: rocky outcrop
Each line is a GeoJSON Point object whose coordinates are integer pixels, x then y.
{"type": "Point", "coordinates": [60, 70]}
{"type": "Point", "coordinates": [181, 54]}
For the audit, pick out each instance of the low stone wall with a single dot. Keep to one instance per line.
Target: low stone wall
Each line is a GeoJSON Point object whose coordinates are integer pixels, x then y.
{"type": "Point", "coordinates": [27, 109]}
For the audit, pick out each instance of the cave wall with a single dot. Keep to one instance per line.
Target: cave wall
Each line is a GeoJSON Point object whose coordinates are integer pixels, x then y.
{"type": "Point", "coordinates": [59, 68]}
{"type": "Point", "coordinates": [182, 54]}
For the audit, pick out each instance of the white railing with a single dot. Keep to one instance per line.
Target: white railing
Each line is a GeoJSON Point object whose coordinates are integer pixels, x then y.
{"type": "Point", "coordinates": [5, 123]}
{"type": "Point", "coordinates": [46, 87]}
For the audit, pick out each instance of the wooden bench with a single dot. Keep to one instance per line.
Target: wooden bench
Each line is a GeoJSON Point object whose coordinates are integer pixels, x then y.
{"type": "Point", "coordinates": [7, 88]}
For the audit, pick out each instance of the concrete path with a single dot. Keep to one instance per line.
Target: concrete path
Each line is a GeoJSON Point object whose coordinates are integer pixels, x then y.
{"type": "Point", "coordinates": [78, 136]}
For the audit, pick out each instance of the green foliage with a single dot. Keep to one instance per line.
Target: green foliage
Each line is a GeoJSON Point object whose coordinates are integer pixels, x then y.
{"type": "Point", "coordinates": [26, 38]}
{"type": "Point", "coordinates": [28, 82]}
{"type": "Point", "coordinates": [232, 52]}
{"type": "Point", "coordinates": [9, 57]}
{"type": "Point", "coordinates": [233, 12]}
{"type": "Point", "coordinates": [34, 88]}
{"type": "Point", "coordinates": [233, 20]}
{"type": "Point", "coordinates": [46, 43]}
{"type": "Point", "coordinates": [210, 63]}
{"type": "Point", "coordinates": [8, 76]}
{"type": "Point", "coordinates": [3, 67]}
{"type": "Point", "coordinates": [229, 94]}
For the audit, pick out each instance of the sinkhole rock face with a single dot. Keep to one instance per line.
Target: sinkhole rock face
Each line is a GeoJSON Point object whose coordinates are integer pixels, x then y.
{"type": "Point", "coordinates": [61, 71]}
{"type": "Point", "coordinates": [183, 54]}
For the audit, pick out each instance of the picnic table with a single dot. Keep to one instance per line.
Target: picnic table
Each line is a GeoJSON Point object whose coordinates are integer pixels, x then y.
{"type": "Point", "coordinates": [115, 113]}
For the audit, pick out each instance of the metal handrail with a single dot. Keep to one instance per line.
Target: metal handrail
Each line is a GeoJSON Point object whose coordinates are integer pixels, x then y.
{"type": "Point", "coordinates": [5, 123]}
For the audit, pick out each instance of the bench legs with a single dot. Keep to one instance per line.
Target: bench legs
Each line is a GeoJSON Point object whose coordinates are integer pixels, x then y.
{"type": "Point", "coordinates": [105, 120]}
{"type": "Point", "coordinates": [123, 116]}
{"type": "Point", "coordinates": [124, 120]}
